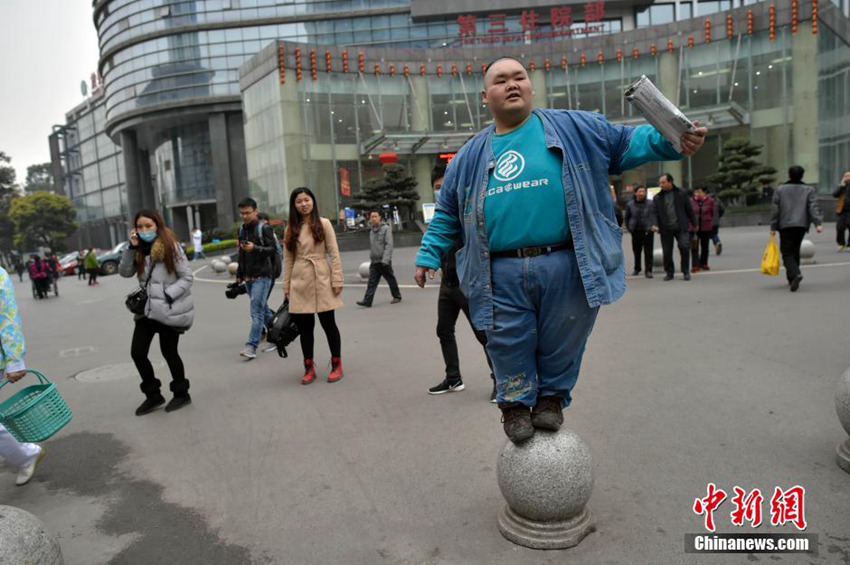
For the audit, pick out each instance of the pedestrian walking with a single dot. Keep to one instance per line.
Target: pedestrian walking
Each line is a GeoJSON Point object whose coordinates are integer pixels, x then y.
{"type": "Point", "coordinates": [703, 206]}
{"type": "Point", "coordinates": [639, 219]}
{"type": "Point", "coordinates": [157, 260]}
{"type": "Point", "coordinates": [719, 210]}
{"type": "Point", "coordinates": [24, 456]}
{"type": "Point", "coordinates": [257, 247]}
{"type": "Point", "coordinates": [198, 244]}
{"type": "Point", "coordinates": [381, 260]}
{"type": "Point", "coordinates": [20, 268]}
{"type": "Point", "coordinates": [40, 276]}
{"type": "Point", "coordinates": [794, 209]}
{"type": "Point", "coordinates": [675, 219]}
{"type": "Point", "coordinates": [92, 266]}
{"type": "Point", "coordinates": [450, 304]}
{"type": "Point", "coordinates": [81, 266]}
{"type": "Point", "coordinates": [842, 212]}
{"type": "Point", "coordinates": [310, 284]}
{"type": "Point", "coordinates": [541, 249]}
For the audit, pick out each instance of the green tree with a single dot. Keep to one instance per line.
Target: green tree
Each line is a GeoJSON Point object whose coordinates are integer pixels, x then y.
{"type": "Point", "coordinates": [739, 175]}
{"type": "Point", "coordinates": [8, 192]}
{"type": "Point", "coordinates": [395, 187]}
{"type": "Point", "coordinates": [43, 219]}
{"type": "Point", "coordinates": [39, 177]}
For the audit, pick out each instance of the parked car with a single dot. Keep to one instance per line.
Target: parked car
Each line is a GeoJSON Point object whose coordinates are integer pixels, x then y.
{"type": "Point", "coordinates": [109, 261]}
{"type": "Point", "coordinates": [68, 264]}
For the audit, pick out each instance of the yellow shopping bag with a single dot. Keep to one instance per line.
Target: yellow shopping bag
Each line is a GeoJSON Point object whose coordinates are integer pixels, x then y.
{"type": "Point", "coordinates": [770, 259]}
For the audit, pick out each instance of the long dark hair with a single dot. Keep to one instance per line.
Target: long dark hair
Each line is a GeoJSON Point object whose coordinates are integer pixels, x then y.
{"type": "Point", "coordinates": [293, 227]}
{"type": "Point", "coordinates": [164, 234]}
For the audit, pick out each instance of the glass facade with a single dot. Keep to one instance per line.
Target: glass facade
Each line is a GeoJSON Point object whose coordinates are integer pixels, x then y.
{"type": "Point", "coordinates": [93, 168]}
{"type": "Point", "coordinates": [833, 107]}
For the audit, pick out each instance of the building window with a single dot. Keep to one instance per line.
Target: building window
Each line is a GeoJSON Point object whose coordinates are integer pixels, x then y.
{"type": "Point", "coordinates": [655, 15]}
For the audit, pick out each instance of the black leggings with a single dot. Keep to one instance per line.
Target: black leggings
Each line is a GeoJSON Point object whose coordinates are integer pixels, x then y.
{"type": "Point", "coordinates": [168, 338]}
{"type": "Point", "coordinates": [306, 323]}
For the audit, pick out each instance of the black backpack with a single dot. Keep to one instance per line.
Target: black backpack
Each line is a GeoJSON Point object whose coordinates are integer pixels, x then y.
{"type": "Point", "coordinates": [282, 329]}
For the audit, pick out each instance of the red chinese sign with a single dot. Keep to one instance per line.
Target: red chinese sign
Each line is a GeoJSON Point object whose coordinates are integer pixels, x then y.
{"type": "Point", "coordinates": [786, 507]}
{"type": "Point", "coordinates": [532, 25]}
{"type": "Point", "coordinates": [344, 182]}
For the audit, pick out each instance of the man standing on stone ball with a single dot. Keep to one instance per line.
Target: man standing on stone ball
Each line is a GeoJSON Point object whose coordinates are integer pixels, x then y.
{"type": "Point", "coordinates": [529, 199]}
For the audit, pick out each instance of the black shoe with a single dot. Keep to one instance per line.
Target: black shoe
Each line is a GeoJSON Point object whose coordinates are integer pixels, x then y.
{"type": "Point", "coordinates": [648, 275]}
{"type": "Point", "coordinates": [668, 277]}
{"type": "Point", "coordinates": [547, 413]}
{"type": "Point", "coordinates": [517, 422]}
{"type": "Point", "coordinates": [686, 276]}
{"type": "Point", "coordinates": [178, 402]}
{"type": "Point", "coordinates": [364, 304]}
{"type": "Point", "coordinates": [795, 283]}
{"type": "Point", "coordinates": [448, 385]}
{"type": "Point", "coordinates": [150, 404]}
{"type": "Point", "coordinates": [395, 300]}
{"type": "Point", "coordinates": [636, 272]}
{"type": "Point", "coordinates": [718, 249]}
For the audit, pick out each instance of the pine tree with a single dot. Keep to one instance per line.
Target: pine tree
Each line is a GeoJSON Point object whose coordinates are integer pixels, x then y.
{"type": "Point", "coordinates": [396, 187]}
{"type": "Point", "coordinates": [739, 177]}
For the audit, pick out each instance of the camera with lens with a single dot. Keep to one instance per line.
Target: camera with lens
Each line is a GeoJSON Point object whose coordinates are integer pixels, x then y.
{"type": "Point", "coordinates": [235, 289]}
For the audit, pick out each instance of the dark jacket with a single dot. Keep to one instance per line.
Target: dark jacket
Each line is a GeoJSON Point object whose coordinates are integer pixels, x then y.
{"type": "Point", "coordinates": [684, 212]}
{"type": "Point", "coordinates": [449, 268]}
{"type": "Point", "coordinates": [794, 206]}
{"type": "Point", "coordinates": [260, 261]}
{"type": "Point", "coordinates": [704, 210]}
{"type": "Point", "coordinates": [640, 216]}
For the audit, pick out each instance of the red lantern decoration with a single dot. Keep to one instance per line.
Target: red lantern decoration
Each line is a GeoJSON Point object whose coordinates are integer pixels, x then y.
{"type": "Point", "coordinates": [468, 69]}
{"type": "Point", "coordinates": [619, 54]}
{"type": "Point", "coordinates": [793, 16]}
{"type": "Point", "coordinates": [454, 70]}
{"type": "Point", "coordinates": [547, 65]}
{"type": "Point", "coordinates": [298, 64]}
{"type": "Point", "coordinates": [669, 45]}
{"type": "Point", "coordinates": [814, 17]}
{"type": "Point", "coordinates": [708, 31]}
{"type": "Point", "coordinates": [327, 61]}
{"type": "Point", "coordinates": [749, 22]}
{"type": "Point", "coordinates": [406, 70]}
{"type": "Point", "coordinates": [483, 68]}
{"type": "Point", "coordinates": [439, 70]}
{"type": "Point", "coordinates": [388, 157]}
{"type": "Point", "coordinates": [563, 62]}
{"type": "Point", "coordinates": [422, 70]}
{"type": "Point", "coordinates": [281, 64]}
{"type": "Point", "coordinates": [392, 70]}
{"type": "Point", "coordinates": [690, 41]}
{"type": "Point", "coordinates": [361, 63]}
{"type": "Point", "coordinates": [635, 53]}
{"type": "Point", "coordinates": [345, 61]}
{"type": "Point", "coordinates": [532, 67]}
{"type": "Point", "coordinates": [583, 60]}
{"type": "Point", "coordinates": [377, 69]}
{"type": "Point", "coordinates": [730, 27]}
{"type": "Point", "coordinates": [653, 50]}
{"type": "Point", "coordinates": [314, 68]}
{"type": "Point", "coordinates": [771, 23]}
{"type": "Point", "coordinates": [600, 58]}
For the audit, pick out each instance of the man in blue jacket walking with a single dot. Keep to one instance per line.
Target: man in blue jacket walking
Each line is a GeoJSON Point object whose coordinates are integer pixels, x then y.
{"type": "Point", "coordinates": [529, 199]}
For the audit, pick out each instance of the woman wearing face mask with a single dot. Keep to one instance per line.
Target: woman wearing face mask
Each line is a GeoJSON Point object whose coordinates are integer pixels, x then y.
{"type": "Point", "coordinates": [309, 283]}
{"type": "Point", "coordinates": [158, 261]}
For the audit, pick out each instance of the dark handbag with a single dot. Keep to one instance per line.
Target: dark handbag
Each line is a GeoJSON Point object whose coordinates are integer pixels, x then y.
{"type": "Point", "coordinates": [282, 329]}
{"type": "Point", "coordinates": [138, 299]}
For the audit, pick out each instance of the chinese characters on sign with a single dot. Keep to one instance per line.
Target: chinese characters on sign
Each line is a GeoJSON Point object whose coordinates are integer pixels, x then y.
{"type": "Point", "coordinates": [786, 506]}
{"type": "Point", "coordinates": [532, 26]}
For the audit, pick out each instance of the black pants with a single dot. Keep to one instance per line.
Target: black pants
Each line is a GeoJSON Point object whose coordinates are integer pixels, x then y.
{"type": "Point", "coordinates": [449, 306]}
{"type": "Point", "coordinates": [790, 240]}
{"type": "Point", "coordinates": [842, 226]}
{"type": "Point", "coordinates": [683, 239]}
{"type": "Point", "coordinates": [21, 276]}
{"type": "Point", "coordinates": [307, 322]}
{"type": "Point", "coordinates": [92, 275]}
{"type": "Point", "coordinates": [41, 286]}
{"type": "Point", "coordinates": [81, 272]}
{"type": "Point", "coordinates": [643, 241]}
{"type": "Point", "coordinates": [168, 338]}
{"type": "Point", "coordinates": [376, 271]}
{"type": "Point", "coordinates": [700, 248]}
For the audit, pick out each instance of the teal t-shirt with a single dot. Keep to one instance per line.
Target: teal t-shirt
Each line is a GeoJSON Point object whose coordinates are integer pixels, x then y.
{"type": "Point", "coordinates": [525, 204]}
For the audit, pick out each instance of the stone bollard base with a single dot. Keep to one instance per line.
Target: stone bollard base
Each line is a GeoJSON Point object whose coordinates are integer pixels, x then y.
{"type": "Point", "coordinates": [546, 535]}
{"type": "Point", "coordinates": [842, 455]}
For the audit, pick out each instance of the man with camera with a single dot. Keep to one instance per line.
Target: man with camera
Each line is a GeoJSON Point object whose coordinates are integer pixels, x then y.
{"type": "Point", "coordinates": [257, 247]}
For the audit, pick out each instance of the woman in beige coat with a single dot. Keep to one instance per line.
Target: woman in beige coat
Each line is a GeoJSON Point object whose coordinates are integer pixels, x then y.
{"type": "Point", "coordinates": [311, 285]}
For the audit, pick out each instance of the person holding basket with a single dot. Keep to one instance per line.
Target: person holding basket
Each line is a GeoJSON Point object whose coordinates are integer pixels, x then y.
{"type": "Point", "coordinates": [162, 305]}
{"type": "Point", "coordinates": [24, 456]}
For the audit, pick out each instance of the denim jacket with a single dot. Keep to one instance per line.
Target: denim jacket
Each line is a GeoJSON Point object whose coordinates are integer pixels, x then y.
{"type": "Point", "coordinates": [593, 149]}
{"type": "Point", "coordinates": [11, 334]}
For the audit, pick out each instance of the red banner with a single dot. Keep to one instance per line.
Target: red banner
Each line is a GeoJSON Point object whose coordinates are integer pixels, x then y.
{"type": "Point", "coordinates": [344, 182]}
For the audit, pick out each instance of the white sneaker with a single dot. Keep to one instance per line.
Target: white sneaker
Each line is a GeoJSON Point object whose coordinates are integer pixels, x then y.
{"type": "Point", "coordinates": [249, 352]}
{"type": "Point", "coordinates": [27, 471]}
{"type": "Point", "coordinates": [269, 347]}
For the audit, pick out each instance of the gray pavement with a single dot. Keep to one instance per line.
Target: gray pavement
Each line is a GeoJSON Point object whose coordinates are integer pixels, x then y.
{"type": "Point", "coordinates": [728, 378]}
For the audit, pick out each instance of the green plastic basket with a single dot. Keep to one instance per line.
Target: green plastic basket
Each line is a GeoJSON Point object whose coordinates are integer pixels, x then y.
{"type": "Point", "coordinates": [35, 413]}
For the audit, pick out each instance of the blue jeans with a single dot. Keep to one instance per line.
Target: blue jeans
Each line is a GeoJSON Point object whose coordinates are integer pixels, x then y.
{"type": "Point", "coordinates": [715, 237]}
{"type": "Point", "coordinates": [199, 254]}
{"type": "Point", "coordinates": [261, 314]}
{"type": "Point", "coordinates": [541, 322]}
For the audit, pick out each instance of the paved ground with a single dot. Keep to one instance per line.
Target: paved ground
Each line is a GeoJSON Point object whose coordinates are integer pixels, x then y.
{"type": "Point", "coordinates": [728, 379]}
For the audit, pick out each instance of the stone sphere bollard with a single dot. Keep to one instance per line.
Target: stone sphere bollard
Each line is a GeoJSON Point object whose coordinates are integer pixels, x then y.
{"type": "Point", "coordinates": [807, 251]}
{"type": "Point", "coordinates": [24, 539]}
{"type": "Point", "coordinates": [363, 271]}
{"type": "Point", "coordinates": [842, 407]}
{"type": "Point", "coordinates": [218, 266]}
{"type": "Point", "coordinates": [232, 268]}
{"type": "Point", "coordinates": [657, 258]}
{"type": "Point", "coordinates": [226, 259]}
{"type": "Point", "coordinates": [546, 481]}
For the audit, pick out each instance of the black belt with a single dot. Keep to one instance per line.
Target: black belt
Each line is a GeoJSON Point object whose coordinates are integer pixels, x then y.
{"type": "Point", "coordinates": [534, 251]}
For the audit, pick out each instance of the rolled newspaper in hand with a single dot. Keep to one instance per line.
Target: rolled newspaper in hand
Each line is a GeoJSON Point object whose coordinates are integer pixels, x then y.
{"type": "Point", "coordinates": [658, 111]}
